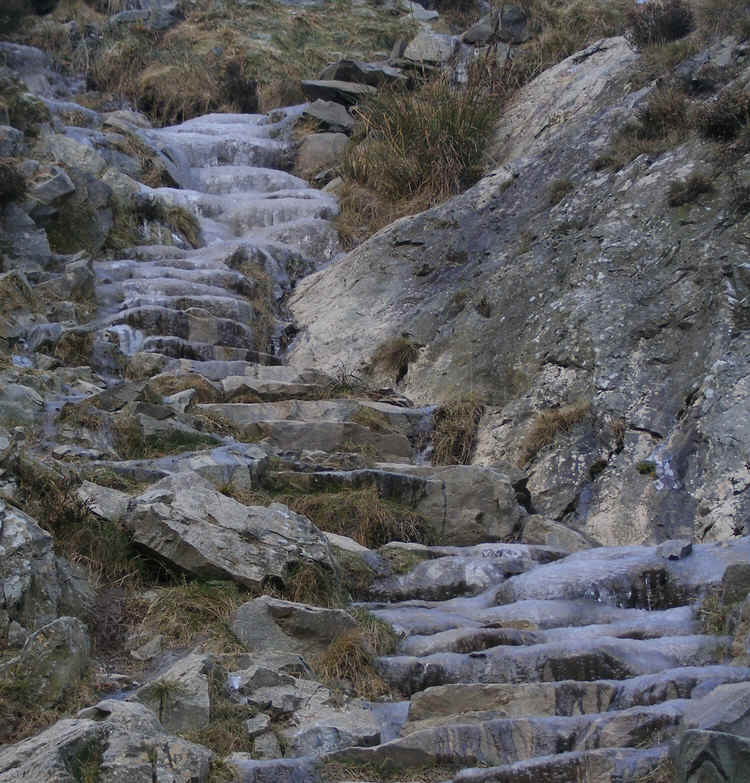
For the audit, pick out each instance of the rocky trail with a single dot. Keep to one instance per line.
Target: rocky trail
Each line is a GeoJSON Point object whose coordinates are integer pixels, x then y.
{"type": "Point", "coordinates": [169, 400]}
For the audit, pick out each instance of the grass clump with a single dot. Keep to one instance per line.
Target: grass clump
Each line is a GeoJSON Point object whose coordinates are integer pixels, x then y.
{"type": "Point", "coordinates": [131, 442]}
{"type": "Point", "coordinates": [659, 125]}
{"type": "Point", "coordinates": [310, 583]}
{"type": "Point", "coordinates": [377, 633]}
{"type": "Point", "coordinates": [455, 432]}
{"type": "Point", "coordinates": [412, 150]}
{"type": "Point", "coordinates": [557, 191]}
{"type": "Point", "coordinates": [225, 732]}
{"type": "Point", "coordinates": [548, 425]}
{"type": "Point", "coordinates": [348, 662]}
{"type": "Point", "coordinates": [394, 356]}
{"type": "Point", "coordinates": [12, 182]}
{"type": "Point", "coordinates": [362, 515]}
{"type": "Point", "coordinates": [660, 22]}
{"type": "Point", "coordinates": [686, 191]}
{"type": "Point", "coordinates": [191, 611]}
{"type": "Point", "coordinates": [723, 118]}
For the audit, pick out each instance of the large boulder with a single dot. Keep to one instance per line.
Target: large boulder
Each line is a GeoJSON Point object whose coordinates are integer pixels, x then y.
{"type": "Point", "coordinates": [267, 623]}
{"type": "Point", "coordinates": [183, 519]}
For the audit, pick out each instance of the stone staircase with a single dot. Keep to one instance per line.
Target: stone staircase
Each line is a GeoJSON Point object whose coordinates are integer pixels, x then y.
{"type": "Point", "coordinates": [515, 662]}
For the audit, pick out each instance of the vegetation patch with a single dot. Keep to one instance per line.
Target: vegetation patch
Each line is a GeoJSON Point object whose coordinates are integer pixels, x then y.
{"type": "Point", "coordinates": [132, 443]}
{"type": "Point", "coordinates": [12, 182]}
{"type": "Point", "coordinates": [394, 356]}
{"type": "Point", "coordinates": [455, 432]}
{"type": "Point", "coordinates": [548, 425]}
{"type": "Point", "coordinates": [348, 662]}
{"type": "Point", "coordinates": [659, 125]}
{"type": "Point", "coordinates": [377, 634]}
{"type": "Point", "coordinates": [688, 190]}
{"type": "Point", "coordinates": [225, 732]}
{"type": "Point", "coordinates": [362, 515]}
{"type": "Point", "coordinates": [660, 22]}
{"type": "Point", "coordinates": [557, 190]}
{"type": "Point", "coordinates": [310, 583]}
{"type": "Point", "coordinates": [192, 611]}
{"type": "Point", "coordinates": [20, 714]}
{"type": "Point", "coordinates": [723, 118]}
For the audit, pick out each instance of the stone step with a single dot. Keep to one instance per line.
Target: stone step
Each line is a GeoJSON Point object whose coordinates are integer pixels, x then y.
{"type": "Point", "coordinates": [197, 326]}
{"type": "Point", "coordinates": [244, 211]}
{"type": "Point", "coordinates": [180, 348]}
{"type": "Point", "coordinates": [509, 740]}
{"type": "Point", "coordinates": [425, 618]}
{"type": "Point", "coordinates": [579, 659]}
{"type": "Point", "coordinates": [473, 702]}
{"type": "Point", "coordinates": [657, 577]}
{"type": "Point", "coordinates": [607, 765]}
{"type": "Point", "coordinates": [120, 276]}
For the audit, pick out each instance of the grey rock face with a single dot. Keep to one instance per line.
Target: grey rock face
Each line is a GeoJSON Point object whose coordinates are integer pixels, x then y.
{"type": "Point", "coordinates": [125, 736]}
{"type": "Point", "coordinates": [566, 331]}
{"type": "Point", "coordinates": [346, 93]}
{"type": "Point", "coordinates": [184, 519]}
{"type": "Point", "coordinates": [333, 116]}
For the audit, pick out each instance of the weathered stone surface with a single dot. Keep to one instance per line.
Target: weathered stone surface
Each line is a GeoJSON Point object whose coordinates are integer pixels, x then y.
{"type": "Point", "coordinates": [346, 93]}
{"type": "Point", "coordinates": [180, 696]}
{"type": "Point", "coordinates": [267, 623]}
{"type": "Point", "coordinates": [468, 504]}
{"type": "Point", "coordinates": [431, 48]}
{"type": "Point", "coordinates": [321, 151]}
{"type": "Point", "coordinates": [184, 519]}
{"type": "Point", "coordinates": [125, 736]}
{"type": "Point", "coordinates": [374, 74]}
{"type": "Point", "coordinates": [333, 116]}
{"type": "Point", "coordinates": [712, 756]}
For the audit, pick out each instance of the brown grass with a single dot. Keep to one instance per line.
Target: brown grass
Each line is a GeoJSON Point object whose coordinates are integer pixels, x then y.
{"type": "Point", "coordinates": [548, 425]}
{"type": "Point", "coordinates": [12, 182]}
{"type": "Point", "coordinates": [394, 356]}
{"type": "Point", "coordinates": [455, 432]}
{"type": "Point", "coordinates": [661, 124]}
{"type": "Point", "coordinates": [660, 22]}
{"type": "Point", "coordinates": [348, 663]}
{"type": "Point", "coordinates": [688, 190]}
{"type": "Point", "coordinates": [192, 612]}
{"type": "Point", "coordinates": [723, 118]}
{"type": "Point", "coordinates": [557, 190]}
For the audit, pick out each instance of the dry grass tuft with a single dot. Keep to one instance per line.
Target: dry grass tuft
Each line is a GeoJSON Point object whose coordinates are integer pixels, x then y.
{"type": "Point", "coordinates": [12, 182]}
{"type": "Point", "coordinates": [455, 432]}
{"type": "Point", "coordinates": [548, 425]}
{"type": "Point", "coordinates": [661, 124]}
{"type": "Point", "coordinates": [192, 612]}
{"type": "Point", "coordinates": [310, 583]}
{"type": "Point", "coordinates": [348, 663]}
{"type": "Point", "coordinates": [362, 515]}
{"type": "Point", "coordinates": [723, 118]}
{"type": "Point", "coordinates": [686, 191]}
{"type": "Point", "coordinates": [423, 145]}
{"type": "Point", "coordinates": [557, 190]}
{"type": "Point", "coordinates": [660, 22]}
{"type": "Point", "coordinates": [394, 356]}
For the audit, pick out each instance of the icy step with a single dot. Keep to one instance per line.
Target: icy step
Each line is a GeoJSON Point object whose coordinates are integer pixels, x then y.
{"type": "Point", "coordinates": [580, 659]}
{"type": "Point", "coordinates": [426, 618]}
{"type": "Point", "coordinates": [607, 765]}
{"type": "Point", "coordinates": [652, 625]}
{"type": "Point", "coordinates": [472, 702]}
{"type": "Point", "coordinates": [180, 348]}
{"type": "Point", "coordinates": [234, 179]}
{"type": "Point", "coordinates": [112, 273]}
{"type": "Point", "coordinates": [231, 373]}
{"type": "Point", "coordinates": [634, 576]}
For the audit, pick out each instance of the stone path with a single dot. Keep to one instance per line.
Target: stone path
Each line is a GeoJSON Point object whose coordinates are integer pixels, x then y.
{"type": "Point", "coordinates": [516, 662]}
